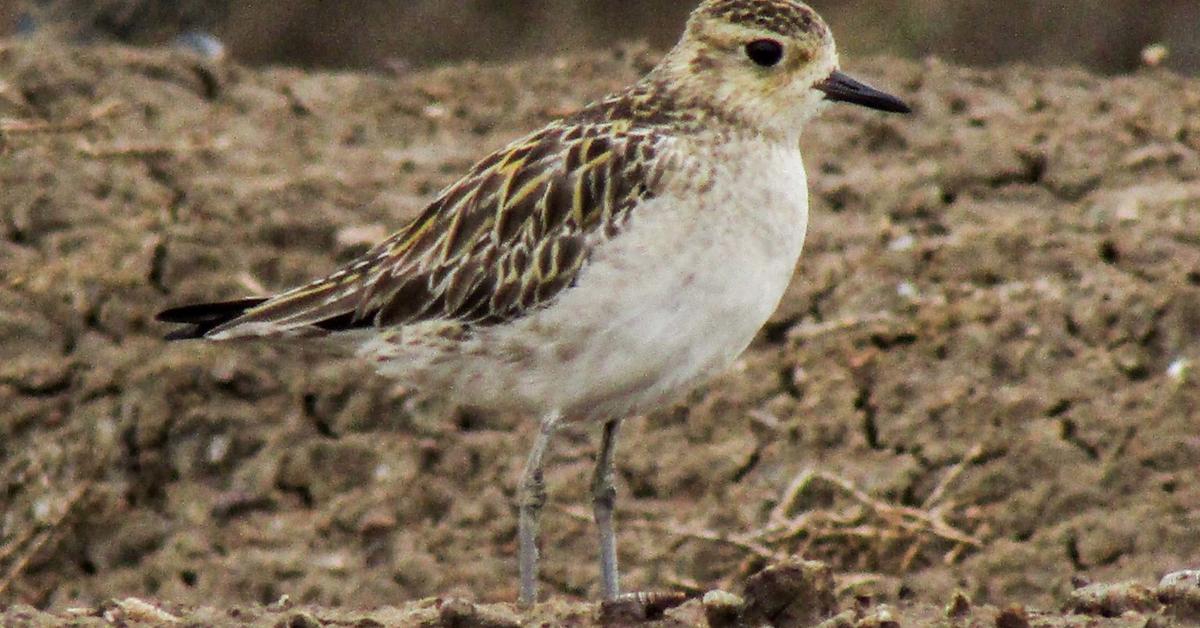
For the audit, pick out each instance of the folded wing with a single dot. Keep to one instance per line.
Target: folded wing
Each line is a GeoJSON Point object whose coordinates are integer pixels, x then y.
{"type": "Point", "coordinates": [503, 241]}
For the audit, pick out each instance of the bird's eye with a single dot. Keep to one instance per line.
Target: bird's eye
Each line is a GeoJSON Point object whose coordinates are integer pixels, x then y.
{"type": "Point", "coordinates": [765, 52]}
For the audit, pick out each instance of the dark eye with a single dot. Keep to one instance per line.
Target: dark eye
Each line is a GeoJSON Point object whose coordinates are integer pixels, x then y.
{"type": "Point", "coordinates": [765, 52]}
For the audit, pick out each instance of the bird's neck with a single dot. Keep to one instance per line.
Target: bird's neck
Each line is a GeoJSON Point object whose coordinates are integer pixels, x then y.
{"type": "Point", "coordinates": [657, 102]}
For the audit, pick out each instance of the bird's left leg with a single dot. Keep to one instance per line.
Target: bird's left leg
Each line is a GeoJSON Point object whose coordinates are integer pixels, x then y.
{"type": "Point", "coordinates": [531, 497]}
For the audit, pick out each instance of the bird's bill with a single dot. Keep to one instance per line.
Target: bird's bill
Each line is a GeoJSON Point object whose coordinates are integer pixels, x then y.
{"type": "Point", "coordinates": [839, 87]}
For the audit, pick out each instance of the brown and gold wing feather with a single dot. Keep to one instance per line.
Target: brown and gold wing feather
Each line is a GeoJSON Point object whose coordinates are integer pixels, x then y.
{"type": "Point", "coordinates": [503, 241]}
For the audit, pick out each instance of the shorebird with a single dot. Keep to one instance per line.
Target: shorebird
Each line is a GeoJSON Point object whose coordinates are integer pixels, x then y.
{"type": "Point", "coordinates": [601, 265]}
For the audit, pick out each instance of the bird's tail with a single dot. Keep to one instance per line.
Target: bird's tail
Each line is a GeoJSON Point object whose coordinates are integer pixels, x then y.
{"type": "Point", "coordinates": [205, 317]}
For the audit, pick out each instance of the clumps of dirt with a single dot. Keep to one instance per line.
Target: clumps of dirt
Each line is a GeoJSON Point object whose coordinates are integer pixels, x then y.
{"type": "Point", "coordinates": [1180, 593]}
{"type": "Point", "coordinates": [791, 594]}
{"type": "Point", "coordinates": [980, 387]}
{"type": "Point", "coordinates": [1177, 596]}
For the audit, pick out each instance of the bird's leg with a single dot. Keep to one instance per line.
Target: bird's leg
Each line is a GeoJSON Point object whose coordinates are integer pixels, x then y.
{"type": "Point", "coordinates": [531, 496]}
{"type": "Point", "coordinates": [604, 497]}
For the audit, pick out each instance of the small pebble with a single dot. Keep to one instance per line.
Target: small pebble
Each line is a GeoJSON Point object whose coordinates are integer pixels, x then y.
{"type": "Point", "coordinates": [723, 609]}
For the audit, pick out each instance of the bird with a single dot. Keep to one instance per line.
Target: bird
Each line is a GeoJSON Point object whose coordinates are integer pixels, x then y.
{"type": "Point", "coordinates": [600, 266]}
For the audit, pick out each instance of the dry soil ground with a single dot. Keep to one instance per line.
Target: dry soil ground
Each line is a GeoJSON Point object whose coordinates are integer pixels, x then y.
{"type": "Point", "coordinates": [981, 387]}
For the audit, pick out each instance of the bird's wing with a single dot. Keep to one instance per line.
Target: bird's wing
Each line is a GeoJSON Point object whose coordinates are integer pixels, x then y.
{"type": "Point", "coordinates": [503, 241]}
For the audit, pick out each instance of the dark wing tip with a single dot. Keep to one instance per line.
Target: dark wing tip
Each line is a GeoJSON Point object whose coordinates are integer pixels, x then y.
{"type": "Point", "coordinates": [204, 317]}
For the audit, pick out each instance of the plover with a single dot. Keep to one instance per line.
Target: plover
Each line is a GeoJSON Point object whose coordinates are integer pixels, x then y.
{"type": "Point", "coordinates": [601, 265]}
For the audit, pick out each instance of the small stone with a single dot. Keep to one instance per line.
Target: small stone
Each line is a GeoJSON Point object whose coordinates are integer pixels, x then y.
{"type": "Point", "coordinates": [1155, 54]}
{"type": "Point", "coordinates": [722, 608]}
{"type": "Point", "coordinates": [1013, 617]}
{"type": "Point", "coordinates": [1186, 579]}
{"type": "Point", "coordinates": [1179, 370]}
{"type": "Point", "coordinates": [622, 611]}
{"type": "Point", "coordinates": [1179, 592]}
{"type": "Point", "coordinates": [377, 522]}
{"type": "Point", "coordinates": [846, 619]}
{"type": "Point", "coordinates": [958, 607]}
{"type": "Point", "coordinates": [1113, 600]}
{"type": "Point", "coordinates": [638, 607]}
{"type": "Point", "coordinates": [881, 616]}
{"type": "Point", "coordinates": [905, 242]}
{"type": "Point", "coordinates": [141, 611]}
{"type": "Point", "coordinates": [283, 604]}
{"type": "Point", "coordinates": [300, 620]}
{"type": "Point", "coordinates": [459, 613]}
{"type": "Point", "coordinates": [792, 593]}
{"type": "Point", "coordinates": [204, 44]}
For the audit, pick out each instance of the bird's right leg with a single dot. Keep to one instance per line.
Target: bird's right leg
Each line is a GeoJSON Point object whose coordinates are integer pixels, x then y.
{"type": "Point", "coordinates": [531, 497]}
{"type": "Point", "coordinates": [604, 497]}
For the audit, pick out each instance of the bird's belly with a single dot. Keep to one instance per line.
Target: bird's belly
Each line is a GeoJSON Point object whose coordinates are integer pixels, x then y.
{"type": "Point", "coordinates": [662, 308]}
{"type": "Point", "coordinates": [625, 346]}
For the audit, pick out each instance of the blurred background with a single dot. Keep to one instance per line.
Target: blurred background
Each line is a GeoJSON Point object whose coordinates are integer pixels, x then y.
{"type": "Point", "coordinates": [1108, 36]}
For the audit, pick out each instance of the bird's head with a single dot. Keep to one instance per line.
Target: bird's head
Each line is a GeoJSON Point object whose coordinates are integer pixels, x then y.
{"type": "Point", "coordinates": [772, 64]}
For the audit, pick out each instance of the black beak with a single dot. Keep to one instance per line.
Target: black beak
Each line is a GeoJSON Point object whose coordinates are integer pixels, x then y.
{"type": "Point", "coordinates": [841, 88]}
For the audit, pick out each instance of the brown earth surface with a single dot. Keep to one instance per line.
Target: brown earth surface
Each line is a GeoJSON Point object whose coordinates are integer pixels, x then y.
{"type": "Point", "coordinates": [981, 386]}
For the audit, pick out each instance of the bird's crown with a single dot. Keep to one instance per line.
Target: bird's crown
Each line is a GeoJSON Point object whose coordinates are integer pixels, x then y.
{"type": "Point", "coordinates": [785, 18]}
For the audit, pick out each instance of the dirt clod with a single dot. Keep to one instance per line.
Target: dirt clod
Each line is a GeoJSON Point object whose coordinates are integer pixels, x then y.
{"type": "Point", "coordinates": [959, 606]}
{"type": "Point", "coordinates": [793, 593]}
{"type": "Point", "coordinates": [722, 609]}
{"type": "Point", "coordinates": [1013, 617]}
{"type": "Point", "coordinates": [1180, 593]}
{"type": "Point", "coordinates": [1114, 600]}
{"type": "Point", "coordinates": [300, 620]}
{"type": "Point", "coordinates": [459, 613]}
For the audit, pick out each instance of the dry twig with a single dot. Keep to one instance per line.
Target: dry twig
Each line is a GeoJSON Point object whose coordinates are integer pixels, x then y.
{"type": "Point", "coordinates": [10, 127]}
{"type": "Point", "coordinates": [779, 514]}
{"type": "Point", "coordinates": [899, 522]}
{"type": "Point", "coordinates": [101, 111]}
{"type": "Point", "coordinates": [809, 331]}
{"type": "Point", "coordinates": [939, 492]}
{"type": "Point", "coordinates": [144, 150]}
{"type": "Point", "coordinates": [906, 518]}
{"type": "Point", "coordinates": [745, 544]}
{"type": "Point", "coordinates": [88, 149]}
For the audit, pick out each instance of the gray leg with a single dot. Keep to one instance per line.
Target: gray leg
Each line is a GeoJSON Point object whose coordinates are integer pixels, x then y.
{"type": "Point", "coordinates": [604, 497]}
{"type": "Point", "coordinates": [531, 496]}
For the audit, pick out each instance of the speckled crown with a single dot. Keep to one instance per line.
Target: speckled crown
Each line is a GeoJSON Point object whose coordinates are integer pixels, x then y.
{"type": "Point", "coordinates": [785, 17]}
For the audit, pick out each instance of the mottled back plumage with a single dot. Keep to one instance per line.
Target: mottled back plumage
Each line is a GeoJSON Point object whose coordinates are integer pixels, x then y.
{"type": "Point", "coordinates": [502, 241]}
